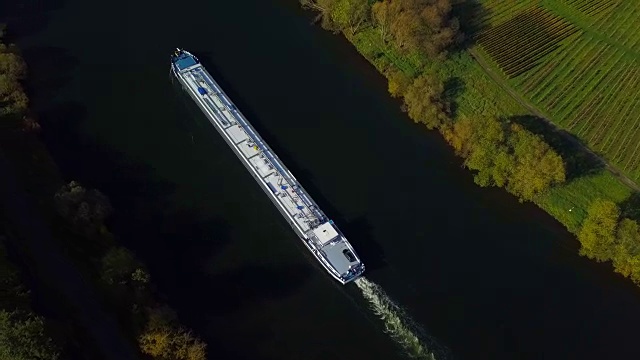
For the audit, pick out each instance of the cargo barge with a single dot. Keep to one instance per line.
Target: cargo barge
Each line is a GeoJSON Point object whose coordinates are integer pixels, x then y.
{"type": "Point", "coordinates": [319, 233]}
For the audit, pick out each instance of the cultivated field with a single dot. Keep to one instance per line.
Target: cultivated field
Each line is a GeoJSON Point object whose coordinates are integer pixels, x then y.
{"type": "Point", "coordinates": [579, 62]}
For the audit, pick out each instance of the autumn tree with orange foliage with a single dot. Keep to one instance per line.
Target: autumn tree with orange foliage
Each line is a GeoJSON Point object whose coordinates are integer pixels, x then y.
{"type": "Point", "coordinates": [424, 101]}
{"type": "Point", "coordinates": [412, 25]}
{"type": "Point", "coordinates": [163, 339]}
{"type": "Point", "coordinates": [506, 155]}
{"type": "Point", "coordinates": [167, 343]}
{"type": "Point", "coordinates": [347, 16]}
{"type": "Point", "coordinates": [13, 99]}
{"type": "Point", "coordinates": [417, 25]}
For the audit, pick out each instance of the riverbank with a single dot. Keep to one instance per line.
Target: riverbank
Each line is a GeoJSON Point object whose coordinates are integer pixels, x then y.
{"type": "Point", "coordinates": [23, 333]}
{"type": "Point", "coordinates": [65, 237]}
{"type": "Point", "coordinates": [485, 277]}
{"type": "Point", "coordinates": [473, 94]}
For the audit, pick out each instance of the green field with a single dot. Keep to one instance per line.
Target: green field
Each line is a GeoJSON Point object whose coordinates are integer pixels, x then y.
{"type": "Point", "coordinates": [578, 62]}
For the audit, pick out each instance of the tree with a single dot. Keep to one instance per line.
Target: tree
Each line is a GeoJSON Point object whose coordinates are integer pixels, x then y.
{"type": "Point", "coordinates": [22, 337]}
{"type": "Point", "coordinates": [537, 166]}
{"type": "Point", "coordinates": [510, 157]}
{"type": "Point", "coordinates": [167, 343]}
{"type": "Point", "coordinates": [416, 25]}
{"type": "Point", "coordinates": [398, 20]}
{"type": "Point", "coordinates": [13, 99]}
{"type": "Point", "coordinates": [164, 339]}
{"type": "Point", "coordinates": [140, 276]}
{"type": "Point", "coordinates": [459, 135]}
{"type": "Point", "coordinates": [626, 252]}
{"type": "Point", "coordinates": [156, 342]}
{"type": "Point", "coordinates": [82, 207]}
{"type": "Point", "coordinates": [406, 28]}
{"type": "Point", "coordinates": [598, 232]}
{"type": "Point", "coordinates": [15, 102]}
{"type": "Point", "coordinates": [119, 266]}
{"type": "Point", "coordinates": [350, 15]}
{"type": "Point", "coordinates": [443, 29]}
{"type": "Point", "coordinates": [485, 150]}
{"type": "Point", "coordinates": [425, 103]}
{"type": "Point", "coordinates": [398, 82]}
{"type": "Point", "coordinates": [12, 292]}
{"type": "Point", "coordinates": [382, 13]}
{"type": "Point", "coordinates": [188, 347]}
{"type": "Point", "coordinates": [12, 65]}
{"type": "Point", "coordinates": [498, 168]}
{"type": "Point", "coordinates": [325, 9]}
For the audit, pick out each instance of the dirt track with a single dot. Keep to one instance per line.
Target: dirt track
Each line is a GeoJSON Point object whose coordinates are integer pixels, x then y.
{"type": "Point", "coordinates": [527, 105]}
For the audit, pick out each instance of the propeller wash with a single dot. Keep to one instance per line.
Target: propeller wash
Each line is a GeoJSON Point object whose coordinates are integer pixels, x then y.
{"type": "Point", "coordinates": [397, 323]}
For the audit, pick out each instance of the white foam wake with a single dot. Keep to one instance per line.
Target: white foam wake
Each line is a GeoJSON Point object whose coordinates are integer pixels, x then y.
{"type": "Point", "coordinates": [397, 323]}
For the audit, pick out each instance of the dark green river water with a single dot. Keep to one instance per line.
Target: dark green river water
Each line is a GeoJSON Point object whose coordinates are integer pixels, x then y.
{"type": "Point", "coordinates": [485, 276]}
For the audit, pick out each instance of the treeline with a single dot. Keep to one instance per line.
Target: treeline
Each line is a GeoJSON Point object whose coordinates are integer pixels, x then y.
{"type": "Point", "coordinates": [79, 215]}
{"type": "Point", "coordinates": [606, 234]}
{"type": "Point", "coordinates": [506, 155]}
{"type": "Point", "coordinates": [124, 278]}
{"type": "Point", "coordinates": [500, 153]}
{"type": "Point", "coordinates": [23, 334]}
{"type": "Point", "coordinates": [411, 25]}
{"type": "Point", "coordinates": [12, 70]}
{"type": "Point", "coordinates": [14, 103]}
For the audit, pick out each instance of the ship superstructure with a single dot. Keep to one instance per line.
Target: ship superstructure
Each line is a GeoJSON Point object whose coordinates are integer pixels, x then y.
{"type": "Point", "coordinates": [320, 234]}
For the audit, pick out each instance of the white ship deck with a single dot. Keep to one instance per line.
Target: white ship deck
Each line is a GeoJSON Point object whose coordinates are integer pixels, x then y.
{"type": "Point", "coordinates": [255, 151]}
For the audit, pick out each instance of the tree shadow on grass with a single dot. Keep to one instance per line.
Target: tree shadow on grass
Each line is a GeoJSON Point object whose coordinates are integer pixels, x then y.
{"type": "Point", "coordinates": [578, 161]}
{"type": "Point", "coordinates": [453, 87]}
{"type": "Point", "coordinates": [630, 208]}
{"type": "Point", "coordinates": [471, 15]}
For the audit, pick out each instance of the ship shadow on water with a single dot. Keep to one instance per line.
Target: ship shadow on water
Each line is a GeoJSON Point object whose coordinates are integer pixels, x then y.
{"type": "Point", "coordinates": [139, 221]}
{"type": "Point", "coordinates": [205, 295]}
{"type": "Point", "coordinates": [358, 230]}
{"type": "Point", "coordinates": [360, 235]}
{"type": "Point", "coordinates": [187, 258]}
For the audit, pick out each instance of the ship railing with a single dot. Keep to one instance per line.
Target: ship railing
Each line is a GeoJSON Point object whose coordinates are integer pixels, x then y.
{"type": "Point", "coordinates": [322, 256]}
{"type": "Point", "coordinates": [258, 141]}
{"type": "Point", "coordinates": [271, 157]}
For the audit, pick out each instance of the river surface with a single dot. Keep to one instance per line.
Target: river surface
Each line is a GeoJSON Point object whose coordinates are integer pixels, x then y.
{"type": "Point", "coordinates": [485, 276]}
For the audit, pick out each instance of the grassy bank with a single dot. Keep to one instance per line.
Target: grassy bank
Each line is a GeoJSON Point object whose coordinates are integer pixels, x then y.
{"type": "Point", "coordinates": [23, 334]}
{"type": "Point", "coordinates": [578, 62]}
{"type": "Point", "coordinates": [76, 219]}
{"type": "Point", "coordinates": [476, 94]}
{"type": "Point", "coordinates": [472, 94]}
